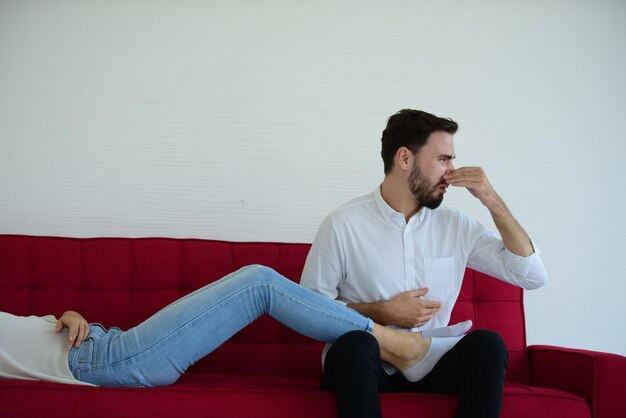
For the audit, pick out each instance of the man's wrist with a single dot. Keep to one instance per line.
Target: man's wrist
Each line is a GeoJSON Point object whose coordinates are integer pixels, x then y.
{"type": "Point", "coordinates": [377, 311]}
{"type": "Point", "coordinates": [496, 206]}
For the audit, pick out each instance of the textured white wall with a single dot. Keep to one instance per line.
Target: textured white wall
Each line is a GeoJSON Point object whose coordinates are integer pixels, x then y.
{"type": "Point", "coordinates": [251, 120]}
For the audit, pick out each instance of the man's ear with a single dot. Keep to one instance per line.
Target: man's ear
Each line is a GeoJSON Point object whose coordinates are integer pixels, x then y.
{"type": "Point", "coordinates": [404, 158]}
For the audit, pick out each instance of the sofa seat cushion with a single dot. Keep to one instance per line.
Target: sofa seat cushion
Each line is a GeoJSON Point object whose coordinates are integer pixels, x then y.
{"type": "Point", "coordinates": [525, 401]}
{"type": "Point", "coordinates": [219, 395]}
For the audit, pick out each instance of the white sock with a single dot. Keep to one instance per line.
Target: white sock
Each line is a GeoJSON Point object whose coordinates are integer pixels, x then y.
{"type": "Point", "coordinates": [455, 330]}
{"type": "Point", "coordinates": [438, 347]}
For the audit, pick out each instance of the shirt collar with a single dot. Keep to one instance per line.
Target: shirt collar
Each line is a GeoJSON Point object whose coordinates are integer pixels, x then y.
{"type": "Point", "coordinates": [387, 211]}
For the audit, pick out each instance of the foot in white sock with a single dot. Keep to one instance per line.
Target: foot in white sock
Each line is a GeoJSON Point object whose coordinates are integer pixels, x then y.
{"type": "Point", "coordinates": [455, 330]}
{"type": "Point", "coordinates": [438, 347]}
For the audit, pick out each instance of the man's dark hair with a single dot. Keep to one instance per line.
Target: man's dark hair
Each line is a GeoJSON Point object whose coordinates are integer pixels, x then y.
{"type": "Point", "coordinates": [411, 128]}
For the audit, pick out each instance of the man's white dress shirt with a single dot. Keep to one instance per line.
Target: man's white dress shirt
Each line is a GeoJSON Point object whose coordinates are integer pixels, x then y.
{"type": "Point", "coordinates": [366, 252]}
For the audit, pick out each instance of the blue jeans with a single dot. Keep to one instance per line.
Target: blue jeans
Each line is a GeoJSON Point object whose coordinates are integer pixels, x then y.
{"type": "Point", "coordinates": [159, 350]}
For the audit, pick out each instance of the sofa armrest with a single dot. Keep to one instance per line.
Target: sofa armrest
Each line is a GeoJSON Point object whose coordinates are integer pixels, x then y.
{"type": "Point", "coordinates": [595, 376]}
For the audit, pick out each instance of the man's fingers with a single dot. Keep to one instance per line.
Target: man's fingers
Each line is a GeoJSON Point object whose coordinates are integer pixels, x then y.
{"type": "Point", "coordinates": [418, 293]}
{"type": "Point", "coordinates": [464, 170]}
{"type": "Point", "coordinates": [431, 304]}
{"type": "Point", "coordinates": [465, 175]}
{"type": "Point", "coordinates": [427, 304]}
{"type": "Point", "coordinates": [467, 179]}
{"type": "Point", "coordinates": [467, 185]}
{"type": "Point", "coordinates": [431, 312]}
{"type": "Point", "coordinates": [428, 315]}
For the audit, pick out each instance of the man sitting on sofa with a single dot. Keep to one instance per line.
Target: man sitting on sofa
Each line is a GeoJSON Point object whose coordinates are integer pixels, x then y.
{"type": "Point", "coordinates": [393, 257]}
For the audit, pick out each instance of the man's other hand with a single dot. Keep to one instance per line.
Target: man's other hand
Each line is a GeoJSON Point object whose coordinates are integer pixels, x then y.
{"type": "Point", "coordinates": [410, 310]}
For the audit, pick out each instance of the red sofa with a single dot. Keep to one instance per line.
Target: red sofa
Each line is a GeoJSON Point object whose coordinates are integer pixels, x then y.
{"type": "Point", "coordinates": [266, 370]}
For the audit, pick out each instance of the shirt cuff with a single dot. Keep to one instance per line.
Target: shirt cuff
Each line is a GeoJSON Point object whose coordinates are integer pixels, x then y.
{"type": "Point", "coordinates": [518, 264]}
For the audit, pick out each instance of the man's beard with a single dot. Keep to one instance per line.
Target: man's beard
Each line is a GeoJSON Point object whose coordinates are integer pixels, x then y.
{"type": "Point", "coordinates": [423, 190]}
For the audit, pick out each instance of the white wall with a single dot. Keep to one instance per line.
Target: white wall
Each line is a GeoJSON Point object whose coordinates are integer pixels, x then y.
{"type": "Point", "coordinates": [251, 120]}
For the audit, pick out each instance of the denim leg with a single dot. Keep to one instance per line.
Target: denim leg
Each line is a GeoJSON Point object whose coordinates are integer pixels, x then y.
{"type": "Point", "coordinates": [160, 349]}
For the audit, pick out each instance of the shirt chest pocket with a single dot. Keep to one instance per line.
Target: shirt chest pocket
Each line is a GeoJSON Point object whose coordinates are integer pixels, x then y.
{"type": "Point", "coordinates": [440, 277]}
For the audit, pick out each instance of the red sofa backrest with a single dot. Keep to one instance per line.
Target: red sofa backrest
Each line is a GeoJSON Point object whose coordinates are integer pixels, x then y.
{"type": "Point", "coordinates": [122, 281]}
